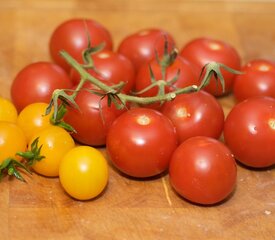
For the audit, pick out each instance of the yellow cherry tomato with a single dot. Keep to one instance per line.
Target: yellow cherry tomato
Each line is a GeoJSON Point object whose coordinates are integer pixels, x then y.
{"type": "Point", "coordinates": [8, 111]}
{"type": "Point", "coordinates": [83, 172]}
{"type": "Point", "coordinates": [32, 119]}
{"type": "Point", "coordinates": [56, 142]}
{"type": "Point", "coordinates": [12, 140]}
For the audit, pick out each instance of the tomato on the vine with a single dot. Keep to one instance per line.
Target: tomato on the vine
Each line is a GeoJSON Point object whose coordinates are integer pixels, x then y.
{"type": "Point", "coordinates": [179, 68]}
{"type": "Point", "coordinates": [140, 47]}
{"type": "Point", "coordinates": [140, 142]}
{"type": "Point", "coordinates": [55, 142]}
{"type": "Point", "coordinates": [112, 67]}
{"type": "Point", "coordinates": [73, 35]}
{"type": "Point", "coordinates": [33, 119]}
{"type": "Point", "coordinates": [93, 118]}
{"type": "Point", "coordinates": [12, 140]}
{"type": "Point", "coordinates": [249, 131]}
{"type": "Point", "coordinates": [201, 51]}
{"type": "Point", "coordinates": [203, 170]}
{"type": "Point", "coordinates": [258, 79]}
{"type": "Point", "coordinates": [36, 83]}
{"type": "Point", "coordinates": [8, 111]}
{"type": "Point", "coordinates": [83, 172]}
{"type": "Point", "coordinates": [195, 114]}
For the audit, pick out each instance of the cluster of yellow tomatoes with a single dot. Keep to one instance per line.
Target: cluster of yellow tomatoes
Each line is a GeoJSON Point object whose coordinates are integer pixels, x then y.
{"type": "Point", "coordinates": [82, 170]}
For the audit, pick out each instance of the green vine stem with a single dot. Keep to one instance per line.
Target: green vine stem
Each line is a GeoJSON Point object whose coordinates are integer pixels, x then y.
{"type": "Point", "coordinates": [11, 167]}
{"type": "Point", "coordinates": [167, 59]}
{"type": "Point", "coordinates": [112, 92]}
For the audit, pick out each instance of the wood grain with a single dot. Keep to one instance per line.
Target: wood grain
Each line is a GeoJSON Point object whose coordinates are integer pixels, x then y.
{"type": "Point", "coordinates": [131, 209]}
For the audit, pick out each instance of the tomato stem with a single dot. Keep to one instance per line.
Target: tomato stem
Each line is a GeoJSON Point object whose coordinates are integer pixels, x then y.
{"type": "Point", "coordinates": [114, 92]}
{"type": "Point", "coordinates": [10, 166]}
{"type": "Point", "coordinates": [85, 76]}
{"type": "Point", "coordinates": [78, 87]}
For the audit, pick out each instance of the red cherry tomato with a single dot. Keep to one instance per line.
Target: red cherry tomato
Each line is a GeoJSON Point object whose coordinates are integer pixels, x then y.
{"type": "Point", "coordinates": [140, 47]}
{"type": "Point", "coordinates": [185, 78]}
{"type": "Point", "coordinates": [111, 66]}
{"type": "Point", "coordinates": [195, 114]}
{"type": "Point", "coordinates": [71, 36]}
{"type": "Point", "coordinates": [201, 51]}
{"type": "Point", "coordinates": [140, 142]}
{"type": "Point", "coordinates": [258, 79]}
{"type": "Point", "coordinates": [93, 119]}
{"type": "Point", "coordinates": [36, 82]}
{"type": "Point", "coordinates": [249, 131]}
{"type": "Point", "coordinates": [203, 170]}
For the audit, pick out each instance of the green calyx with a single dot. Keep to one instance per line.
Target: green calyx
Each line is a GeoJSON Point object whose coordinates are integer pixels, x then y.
{"type": "Point", "coordinates": [11, 167]}
{"type": "Point", "coordinates": [33, 155]}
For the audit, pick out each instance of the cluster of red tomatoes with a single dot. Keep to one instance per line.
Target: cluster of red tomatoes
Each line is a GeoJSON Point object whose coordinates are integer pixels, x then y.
{"type": "Point", "coordinates": [181, 136]}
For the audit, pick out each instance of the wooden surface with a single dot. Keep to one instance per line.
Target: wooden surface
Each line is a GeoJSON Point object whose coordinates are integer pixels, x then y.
{"type": "Point", "coordinates": [129, 209]}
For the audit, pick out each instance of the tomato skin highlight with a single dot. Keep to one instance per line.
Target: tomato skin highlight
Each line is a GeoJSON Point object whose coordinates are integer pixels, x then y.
{"type": "Point", "coordinates": [258, 79]}
{"type": "Point", "coordinates": [141, 46]}
{"type": "Point", "coordinates": [203, 170]}
{"type": "Point", "coordinates": [83, 172]}
{"type": "Point", "coordinates": [250, 133]}
{"type": "Point", "coordinates": [201, 51]}
{"type": "Point", "coordinates": [36, 83]}
{"type": "Point", "coordinates": [195, 114]}
{"type": "Point", "coordinates": [12, 140]}
{"type": "Point", "coordinates": [56, 142]}
{"type": "Point", "coordinates": [140, 142]}
{"type": "Point", "coordinates": [71, 36]}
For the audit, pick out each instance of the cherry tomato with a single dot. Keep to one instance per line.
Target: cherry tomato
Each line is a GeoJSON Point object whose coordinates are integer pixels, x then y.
{"type": "Point", "coordinates": [8, 111]}
{"type": "Point", "coordinates": [258, 79]}
{"type": "Point", "coordinates": [249, 131]}
{"type": "Point", "coordinates": [72, 36]}
{"type": "Point", "coordinates": [32, 119]}
{"type": "Point", "coordinates": [56, 142]}
{"type": "Point", "coordinates": [36, 82]}
{"type": "Point", "coordinates": [83, 172]}
{"type": "Point", "coordinates": [195, 114]}
{"type": "Point", "coordinates": [141, 141]}
{"type": "Point", "coordinates": [140, 47]}
{"type": "Point", "coordinates": [94, 118]}
{"type": "Point", "coordinates": [12, 140]}
{"type": "Point", "coordinates": [111, 66]}
{"type": "Point", "coordinates": [203, 170]}
{"type": "Point", "coordinates": [201, 51]}
{"type": "Point", "coordinates": [185, 78]}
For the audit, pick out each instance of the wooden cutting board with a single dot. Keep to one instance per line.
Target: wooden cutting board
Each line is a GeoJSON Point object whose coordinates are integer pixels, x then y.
{"type": "Point", "coordinates": [130, 209]}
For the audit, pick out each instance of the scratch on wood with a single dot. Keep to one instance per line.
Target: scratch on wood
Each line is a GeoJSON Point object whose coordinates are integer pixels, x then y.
{"type": "Point", "coordinates": [166, 191]}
